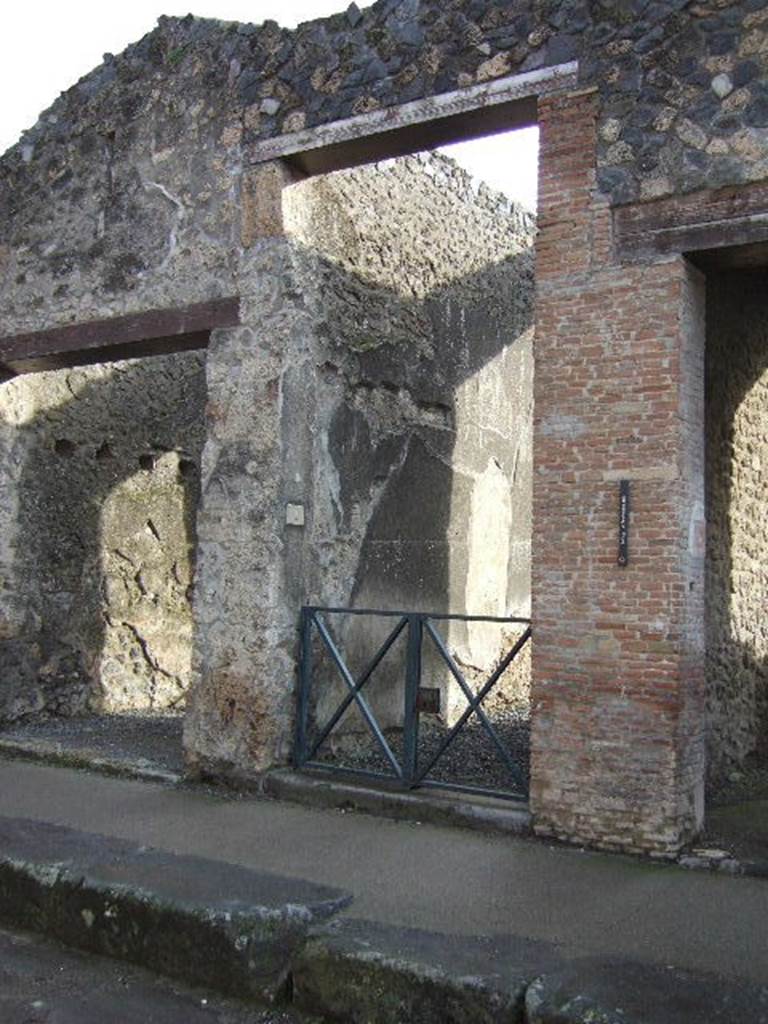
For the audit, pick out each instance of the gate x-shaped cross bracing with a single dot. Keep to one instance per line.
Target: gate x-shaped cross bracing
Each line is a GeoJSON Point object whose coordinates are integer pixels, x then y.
{"type": "Point", "coordinates": [408, 772]}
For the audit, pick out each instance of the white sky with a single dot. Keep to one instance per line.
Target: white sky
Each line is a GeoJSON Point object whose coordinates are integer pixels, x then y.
{"type": "Point", "coordinates": [46, 47]}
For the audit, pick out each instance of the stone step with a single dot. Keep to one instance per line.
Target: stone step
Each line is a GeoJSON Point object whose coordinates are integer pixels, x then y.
{"type": "Point", "coordinates": [227, 927]}
{"type": "Point", "coordinates": [438, 807]}
{"type": "Point", "coordinates": [365, 971]}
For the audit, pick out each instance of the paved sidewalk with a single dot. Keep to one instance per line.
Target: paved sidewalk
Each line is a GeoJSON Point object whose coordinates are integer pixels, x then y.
{"type": "Point", "coordinates": [441, 880]}
{"type": "Point", "coordinates": [148, 744]}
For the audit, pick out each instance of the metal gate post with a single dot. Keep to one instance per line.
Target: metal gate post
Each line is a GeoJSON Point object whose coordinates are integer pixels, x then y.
{"type": "Point", "coordinates": [412, 685]}
{"type": "Point", "coordinates": [305, 684]}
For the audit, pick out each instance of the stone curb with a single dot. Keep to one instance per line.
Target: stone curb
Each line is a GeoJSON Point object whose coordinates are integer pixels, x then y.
{"type": "Point", "coordinates": [510, 817]}
{"type": "Point", "coordinates": [375, 990]}
{"type": "Point", "coordinates": [42, 752]}
{"type": "Point", "coordinates": [365, 973]}
{"type": "Point", "coordinates": [206, 922]}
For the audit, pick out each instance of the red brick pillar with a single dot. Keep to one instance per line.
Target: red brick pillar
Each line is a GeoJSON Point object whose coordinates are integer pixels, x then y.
{"type": "Point", "coordinates": [618, 726]}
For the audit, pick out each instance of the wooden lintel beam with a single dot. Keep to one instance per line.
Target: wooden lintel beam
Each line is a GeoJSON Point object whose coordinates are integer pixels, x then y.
{"type": "Point", "coordinates": [153, 332]}
{"type": "Point", "coordinates": [409, 139]}
{"type": "Point", "coordinates": [695, 223]}
{"type": "Point", "coordinates": [467, 113]}
{"type": "Point", "coordinates": [109, 353]}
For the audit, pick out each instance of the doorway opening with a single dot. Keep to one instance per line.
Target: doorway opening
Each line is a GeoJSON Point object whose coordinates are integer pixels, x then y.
{"type": "Point", "coordinates": [107, 460]}
{"type": "Point", "coordinates": [737, 542]}
{"type": "Point", "coordinates": [423, 436]}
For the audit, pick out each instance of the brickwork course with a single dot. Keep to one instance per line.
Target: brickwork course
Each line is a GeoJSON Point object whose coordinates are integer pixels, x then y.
{"type": "Point", "coordinates": [142, 189]}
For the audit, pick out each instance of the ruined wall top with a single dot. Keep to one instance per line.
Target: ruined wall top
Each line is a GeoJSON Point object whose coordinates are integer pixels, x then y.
{"type": "Point", "coordinates": [125, 194]}
{"type": "Point", "coordinates": [684, 99]}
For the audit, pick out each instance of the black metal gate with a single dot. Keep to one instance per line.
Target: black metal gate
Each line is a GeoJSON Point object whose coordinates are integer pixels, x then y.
{"type": "Point", "coordinates": [413, 766]}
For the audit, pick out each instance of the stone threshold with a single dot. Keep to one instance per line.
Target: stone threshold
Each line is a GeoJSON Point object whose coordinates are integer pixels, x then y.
{"type": "Point", "coordinates": [333, 791]}
{"type": "Point", "coordinates": [440, 807]}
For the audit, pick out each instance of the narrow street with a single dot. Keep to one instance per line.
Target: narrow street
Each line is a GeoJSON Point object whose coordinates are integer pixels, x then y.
{"type": "Point", "coordinates": [42, 982]}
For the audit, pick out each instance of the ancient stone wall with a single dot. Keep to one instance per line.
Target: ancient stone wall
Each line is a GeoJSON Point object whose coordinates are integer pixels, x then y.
{"type": "Point", "coordinates": [115, 205]}
{"type": "Point", "coordinates": [108, 208]}
{"type": "Point", "coordinates": [427, 291]}
{"type": "Point", "coordinates": [104, 463]}
{"type": "Point", "coordinates": [421, 396]}
{"type": "Point", "coordinates": [137, 189]}
{"type": "Point", "coordinates": [682, 106]}
{"type": "Point", "coordinates": [737, 525]}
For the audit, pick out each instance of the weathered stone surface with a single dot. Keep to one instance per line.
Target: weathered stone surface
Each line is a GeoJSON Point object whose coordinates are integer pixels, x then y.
{"type": "Point", "coordinates": [425, 399]}
{"type": "Point", "coordinates": [422, 402]}
{"type": "Point", "coordinates": [205, 921]}
{"type": "Point", "coordinates": [144, 206]}
{"type": "Point", "coordinates": [655, 66]}
{"type": "Point", "coordinates": [361, 971]}
{"type": "Point", "coordinates": [737, 526]}
{"type": "Point", "coordinates": [261, 203]}
{"type": "Point", "coordinates": [390, 403]}
{"type": "Point", "coordinates": [620, 992]}
{"type": "Point", "coordinates": [134, 191]}
{"type": "Point", "coordinates": [104, 468]}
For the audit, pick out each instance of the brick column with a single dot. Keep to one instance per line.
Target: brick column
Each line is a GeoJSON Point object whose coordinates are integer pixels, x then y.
{"type": "Point", "coordinates": [617, 758]}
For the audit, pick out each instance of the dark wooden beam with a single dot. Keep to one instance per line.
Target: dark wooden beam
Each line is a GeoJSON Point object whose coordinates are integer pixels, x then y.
{"type": "Point", "coordinates": [484, 108]}
{"type": "Point", "coordinates": [732, 257]}
{"type": "Point", "coordinates": [155, 332]}
{"type": "Point", "coordinates": [696, 223]}
{"type": "Point", "coordinates": [416, 137]}
{"type": "Point", "coordinates": [111, 353]}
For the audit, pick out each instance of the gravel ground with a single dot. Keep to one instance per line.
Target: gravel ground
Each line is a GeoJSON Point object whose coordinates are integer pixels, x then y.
{"type": "Point", "coordinates": [471, 760]}
{"type": "Point", "coordinates": [42, 982]}
{"type": "Point", "coordinates": [745, 784]}
{"type": "Point", "coordinates": [737, 813]}
{"type": "Point", "coordinates": [151, 740]}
